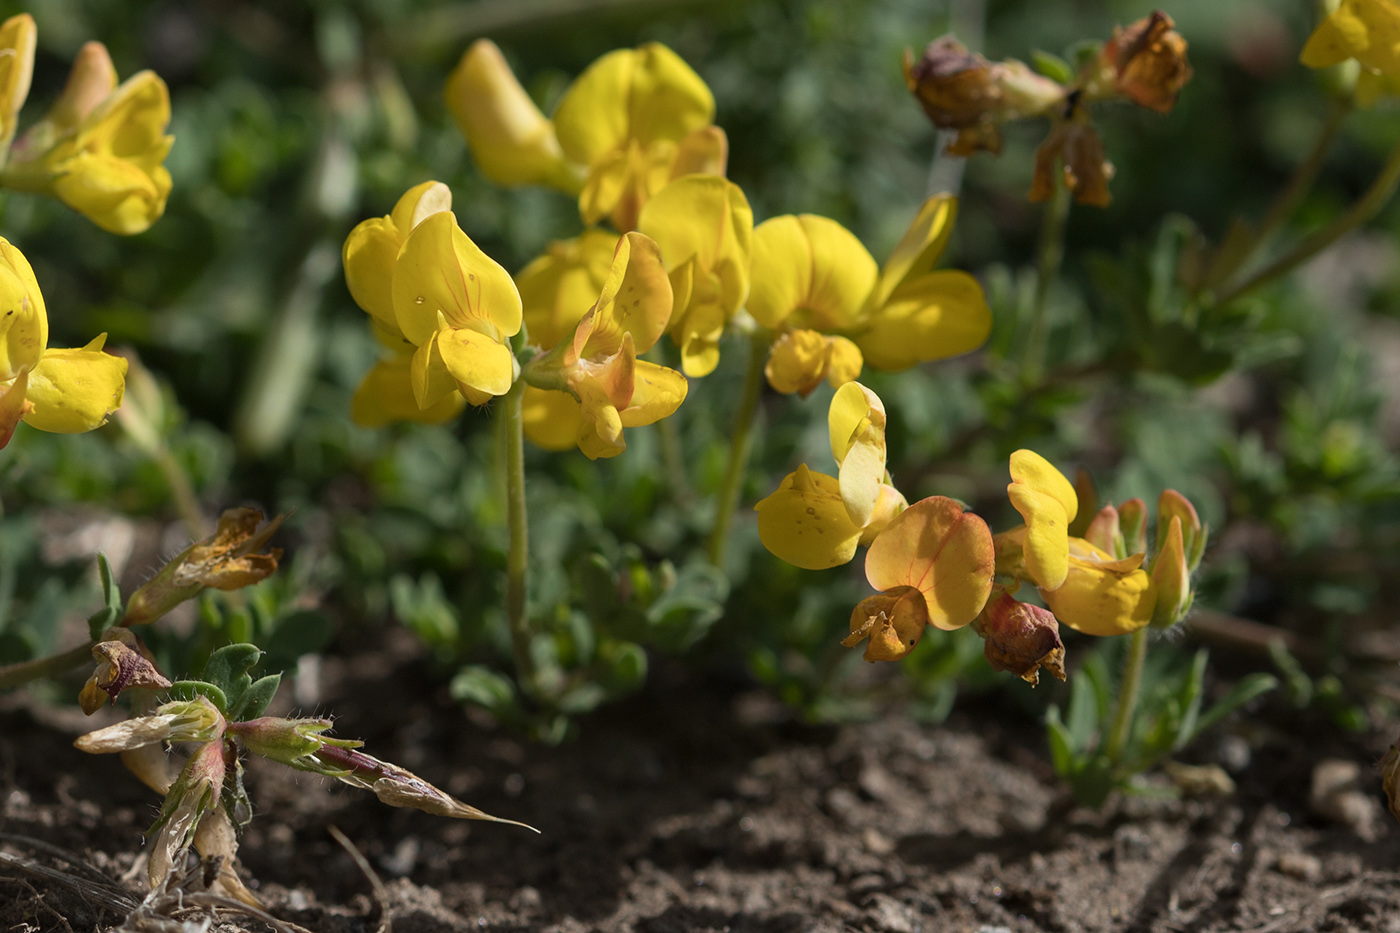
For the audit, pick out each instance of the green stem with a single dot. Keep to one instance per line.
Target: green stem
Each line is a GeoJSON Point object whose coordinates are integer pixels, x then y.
{"type": "Point", "coordinates": [1304, 176]}
{"type": "Point", "coordinates": [1050, 251]}
{"type": "Point", "coordinates": [740, 442]}
{"type": "Point", "coordinates": [13, 675]}
{"type": "Point", "coordinates": [182, 491]}
{"type": "Point", "coordinates": [1363, 210]}
{"type": "Point", "coordinates": [1127, 696]}
{"type": "Point", "coordinates": [512, 438]}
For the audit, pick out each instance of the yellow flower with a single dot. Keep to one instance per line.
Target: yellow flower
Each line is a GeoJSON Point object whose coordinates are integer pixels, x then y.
{"type": "Point", "coordinates": [385, 395]}
{"type": "Point", "coordinates": [1367, 30]}
{"type": "Point", "coordinates": [1046, 500]}
{"type": "Point", "coordinates": [815, 521]}
{"type": "Point", "coordinates": [633, 121]}
{"type": "Point", "coordinates": [1100, 595]}
{"type": "Point", "coordinates": [513, 143]}
{"type": "Point", "coordinates": [590, 385]}
{"type": "Point", "coordinates": [814, 280]}
{"type": "Point", "coordinates": [63, 391]}
{"type": "Point", "coordinates": [101, 147]}
{"type": "Point", "coordinates": [933, 565]}
{"type": "Point", "coordinates": [704, 226]}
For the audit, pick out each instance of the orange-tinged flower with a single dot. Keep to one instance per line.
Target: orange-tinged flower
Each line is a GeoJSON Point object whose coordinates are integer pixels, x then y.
{"type": "Point", "coordinates": [1100, 595]}
{"type": "Point", "coordinates": [1148, 59]}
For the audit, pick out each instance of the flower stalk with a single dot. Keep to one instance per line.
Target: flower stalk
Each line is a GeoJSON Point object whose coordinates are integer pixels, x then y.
{"type": "Point", "coordinates": [740, 444]}
{"type": "Point", "coordinates": [1050, 252]}
{"type": "Point", "coordinates": [1127, 697]}
{"type": "Point", "coordinates": [512, 439]}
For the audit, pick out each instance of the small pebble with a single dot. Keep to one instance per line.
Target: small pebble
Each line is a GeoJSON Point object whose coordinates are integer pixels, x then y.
{"type": "Point", "coordinates": [1300, 865]}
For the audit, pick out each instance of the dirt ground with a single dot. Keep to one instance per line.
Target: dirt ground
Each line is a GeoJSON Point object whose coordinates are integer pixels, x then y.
{"type": "Point", "coordinates": [703, 806]}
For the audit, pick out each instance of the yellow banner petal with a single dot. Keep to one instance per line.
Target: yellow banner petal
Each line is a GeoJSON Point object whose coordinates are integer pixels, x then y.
{"type": "Point", "coordinates": [811, 269]}
{"type": "Point", "coordinates": [24, 323]}
{"type": "Point", "coordinates": [1046, 543]}
{"type": "Point", "coordinates": [1029, 468]}
{"type": "Point", "coordinates": [931, 317]}
{"type": "Point", "coordinates": [558, 288]}
{"type": "Point", "coordinates": [635, 299]}
{"type": "Point", "coordinates": [512, 142]}
{"type": "Point", "coordinates": [805, 522]}
{"type": "Point", "coordinates": [369, 255]}
{"type": "Point", "coordinates": [441, 271]}
{"type": "Point", "coordinates": [703, 152]}
{"type": "Point", "coordinates": [418, 204]}
{"type": "Point", "coordinates": [942, 551]}
{"type": "Point", "coordinates": [856, 424]}
{"type": "Point", "coordinates": [552, 419]}
{"type": "Point", "coordinates": [75, 390]}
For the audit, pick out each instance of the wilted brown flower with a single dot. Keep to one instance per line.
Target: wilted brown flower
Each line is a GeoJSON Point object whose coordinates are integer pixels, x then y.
{"type": "Point", "coordinates": [1021, 638]}
{"type": "Point", "coordinates": [1086, 171]}
{"type": "Point", "coordinates": [894, 621]}
{"type": "Point", "coordinates": [1390, 779]}
{"type": "Point", "coordinates": [961, 90]}
{"type": "Point", "coordinates": [1149, 63]}
{"type": "Point", "coordinates": [225, 561]}
{"type": "Point", "coordinates": [193, 796]}
{"type": "Point", "coordinates": [120, 665]}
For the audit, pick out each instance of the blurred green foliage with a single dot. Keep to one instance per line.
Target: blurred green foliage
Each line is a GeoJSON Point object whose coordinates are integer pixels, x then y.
{"type": "Point", "coordinates": [1276, 414]}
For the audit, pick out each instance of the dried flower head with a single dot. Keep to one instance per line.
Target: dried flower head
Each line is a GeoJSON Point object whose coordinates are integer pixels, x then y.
{"type": "Point", "coordinates": [1021, 638]}
{"type": "Point", "coordinates": [1149, 63]}
{"type": "Point", "coordinates": [121, 664]}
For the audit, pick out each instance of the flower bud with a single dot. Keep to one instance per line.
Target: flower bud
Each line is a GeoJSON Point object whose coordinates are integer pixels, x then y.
{"type": "Point", "coordinates": [293, 742]}
{"type": "Point", "coordinates": [120, 666]}
{"type": "Point", "coordinates": [1132, 521]}
{"type": "Point", "coordinates": [1172, 504]}
{"type": "Point", "coordinates": [1172, 578]}
{"type": "Point", "coordinates": [893, 621]}
{"type": "Point", "coordinates": [1105, 534]}
{"type": "Point", "coordinates": [1021, 638]}
{"type": "Point", "coordinates": [224, 561]}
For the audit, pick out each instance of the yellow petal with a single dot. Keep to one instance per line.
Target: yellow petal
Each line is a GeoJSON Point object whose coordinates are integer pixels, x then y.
{"type": "Point", "coordinates": [844, 361]}
{"type": "Point", "coordinates": [558, 288]}
{"type": "Point", "coordinates": [706, 219]}
{"type": "Point", "coordinates": [635, 298]}
{"type": "Point", "coordinates": [931, 317]}
{"type": "Point", "coordinates": [703, 152]}
{"type": "Point", "coordinates": [116, 194]}
{"type": "Point", "coordinates": [856, 423]}
{"type": "Point", "coordinates": [1101, 596]}
{"type": "Point", "coordinates": [17, 37]}
{"type": "Point", "coordinates": [14, 405]}
{"type": "Point", "coordinates": [431, 382]}
{"type": "Point", "coordinates": [91, 80]}
{"type": "Point", "coordinates": [797, 362]}
{"type": "Point", "coordinates": [441, 271]}
{"type": "Point", "coordinates": [385, 395]}
{"type": "Point", "coordinates": [603, 389]}
{"type": "Point", "coordinates": [75, 390]}
{"type": "Point", "coordinates": [889, 503]}
{"type": "Point", "coordinates": [24, 323]}
{"type": "Point", "coordinates": [369, 255]}
{"type": "Point", "coordinates": [552, 419]}
{"type": "Point", "coordinates": [418, 204]}
{"type": "Point", "coordinates": [476, 361]}
{"type": "Point", "coordinates": [657, 392]}
{"type": "Point", "coordinates": [643, 94]}
{"type": "Point", "coordinates": [920, 246]}
{"type": "Point", "coordinates": [1029, 468]}
{"type": "Point", "coordinates": [512, 142]}
{"type": "Point", "coordinates": [942, 551]}
{"type": "Point", "coordinates": [893, 621]}
{"type": "Point", "coordinates": [1367, 30]}
{"type": "Point", "coordinates": [805, 522]}
{"type": "Point", "coordinates": [811, 269]}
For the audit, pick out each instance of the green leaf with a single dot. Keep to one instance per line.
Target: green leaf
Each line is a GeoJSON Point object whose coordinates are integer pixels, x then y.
{"type": "Point", "coordinates": [485, 688]}
{"type": "Point", "coordinates": [1052, 66]}
{"type": "Point", "coordinates": [254, 701]}
{"type": "Point", "coordinates": [189, 689]}
{"type": "Point", "coordinates": [1083, 714]}
{"type": "Point", "coordinates": [228, 669]}
{"type": "Point", "coordinates": [101, 620]}
{"type": "Point", "coordinates": [111, 590]}
{"type": "Point", "coordinates": [1061, 745]}
{"type": "Point", "coordinates": [1247, 689]}
{"type": "Point", "coordinates": [1190, 699]}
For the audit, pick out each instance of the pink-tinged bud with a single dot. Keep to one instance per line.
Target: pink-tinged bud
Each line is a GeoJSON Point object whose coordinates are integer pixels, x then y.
{"type": "Point", "coordinates": [1105, 533]}
{"type": "Point", "coordinates": [1132, 521]}
{"type": "Point", "coordinates": [1088, 497]}
{"type": "Point", "coordinates": [193, 795]}
{"type": "Point", "coordinates": [121, 665]}
{"type": "Point", "coordinates": [1021, 638]}
{"type": "Point", "coordinates": [1172, 579]}
{"type": "Point", "coordinates": [1173, 504]}
{"type": "Point", "coordinates": [293, 742]}
{"type": "Point", "coordinates": [894, 621]}
{"type": "Point", "coordinates": [225, 561]}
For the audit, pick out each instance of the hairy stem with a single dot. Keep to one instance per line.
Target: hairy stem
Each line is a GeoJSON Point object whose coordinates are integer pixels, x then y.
{"type": "Point", "coordinates": [14, 675]}
{"type": "Point", "coordinates": [1127, 696]}
{"type": "Point", "coordinates": [512, 439]}
{"type": "Point", "coordinates": [740, 443]}
{"type": "Point", "coordinates": [1363, 210]}
{"type": "Point", "coordinates": [1050, 251]}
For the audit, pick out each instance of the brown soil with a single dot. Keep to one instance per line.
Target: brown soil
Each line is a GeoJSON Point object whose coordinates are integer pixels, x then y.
{"type": "Point", "coordinates": [699, 807]}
